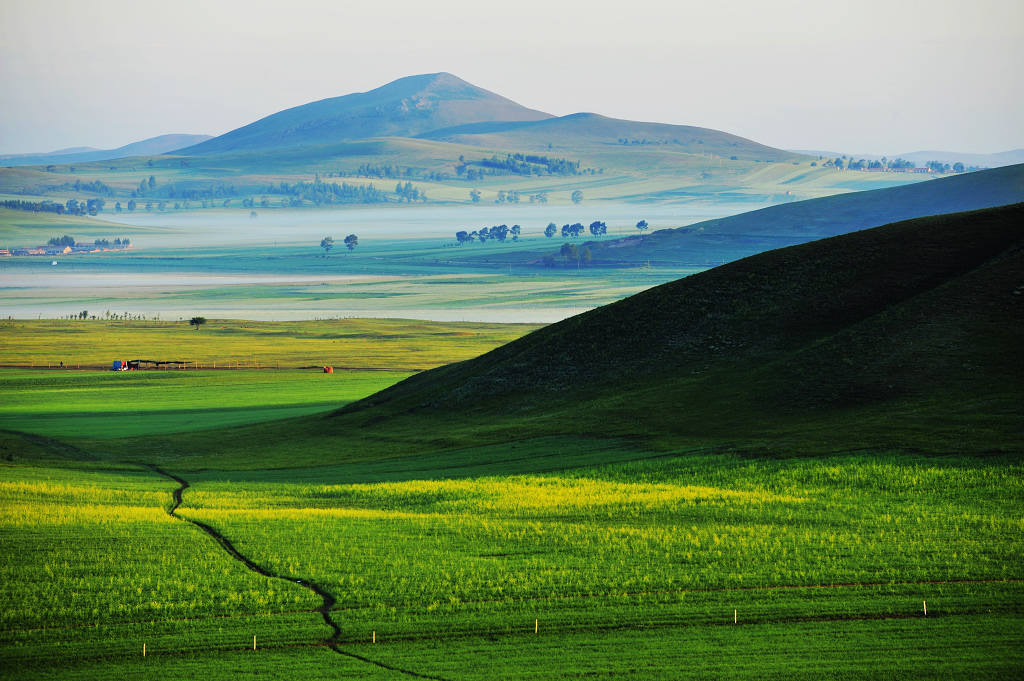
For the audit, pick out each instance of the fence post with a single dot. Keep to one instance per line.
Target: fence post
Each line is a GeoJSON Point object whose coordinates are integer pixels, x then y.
{"type": "Point", "coordinates": [735, 619]}
{"type": "Point", "coordinates": [143, 649]}
{"type": "Point", "coordinates": [925, 603]}
{"type": "Point", "coordinates": [375, 636]}
{"type": "Point", "coordinates": [536, 625]}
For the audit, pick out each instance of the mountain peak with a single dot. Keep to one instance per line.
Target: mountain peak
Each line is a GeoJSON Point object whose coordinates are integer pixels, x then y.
{"type": "Point", "coordinates": [406, 107]}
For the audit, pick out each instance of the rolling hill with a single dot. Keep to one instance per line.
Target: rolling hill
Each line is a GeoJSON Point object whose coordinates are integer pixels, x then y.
{"type": "Point", "coordinates": [797, 222]}
{"type": "Point", "coordinates": [403, 108]}
{"type": "Point", "coordinates": [442, 108]}
{"type": "Point", "coordinates": [582, 130]}
{"type": "Point", "coordinates": [161, 144]}
{"type": "Point", "coordinates": [906, 335]}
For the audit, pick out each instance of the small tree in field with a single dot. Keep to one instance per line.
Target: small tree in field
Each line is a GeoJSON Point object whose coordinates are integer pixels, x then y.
{"type": "Point", "coordinates": [327, 243]}
{"type": "Point", "coordinates": [197, 322]}
{"type": "Point", "coordinates": [351, 241]}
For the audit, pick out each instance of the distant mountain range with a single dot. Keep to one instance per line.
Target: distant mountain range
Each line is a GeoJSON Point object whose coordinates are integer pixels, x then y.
{"type": "Point", "coordinates": [997, 160]}
{"type": "Point", "coordinates": [148, 147]}
{"type": "Point", "coordinates": [442, 107]}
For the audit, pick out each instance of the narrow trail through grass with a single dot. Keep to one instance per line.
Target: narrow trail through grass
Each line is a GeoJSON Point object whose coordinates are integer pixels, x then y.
{"type": "Point", "coordinates": [327, 599]}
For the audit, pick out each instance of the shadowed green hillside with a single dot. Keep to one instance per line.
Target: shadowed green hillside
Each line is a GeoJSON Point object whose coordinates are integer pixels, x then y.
{"type": "Point", "coordinates": [818, 218]}
{"type": "Point", "coordinates": [921, 318]}
{"type": "Point", "coordinates": [903, 337]}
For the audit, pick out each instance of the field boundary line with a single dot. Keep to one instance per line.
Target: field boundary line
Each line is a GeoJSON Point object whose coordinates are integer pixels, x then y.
{"type": "Point", "coordinates": [327, 598]}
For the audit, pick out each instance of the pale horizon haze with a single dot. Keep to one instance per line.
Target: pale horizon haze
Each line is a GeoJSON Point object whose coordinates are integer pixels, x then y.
{"type": "Point", "coordinates": [868, 76]}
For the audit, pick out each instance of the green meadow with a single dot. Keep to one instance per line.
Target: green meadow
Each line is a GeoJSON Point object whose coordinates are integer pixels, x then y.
{"type": "Point", "coordinates": [546, 557]}
{"type": "Point", "coordinates": [359, 344]}
{"type": "Point", "coordinates": [594, 500]}
{"type": "Point", "coordinates": [655, 568]}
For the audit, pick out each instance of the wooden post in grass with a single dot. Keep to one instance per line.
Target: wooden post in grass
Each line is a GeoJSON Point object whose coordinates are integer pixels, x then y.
{"type": "Point", "coordinates": [735, 617]}
{"type": "Point", "coordinates": [254, 641]}
{"type": "Point", "coordinates": [536, 625]}
{"type": "Point", "coordinates": [925, 603]}
{"type": "Point", "coordinates": [143, 649]}
{"type": "Point", "coordinates": [374, 636]}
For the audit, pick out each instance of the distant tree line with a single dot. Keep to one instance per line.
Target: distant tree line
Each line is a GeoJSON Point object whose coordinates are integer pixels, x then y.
{"type": "Point", "coordinates": [68, 240]}
{"type": "Point", "coordinates": [95, 187]}
{"type": "Point", "coordinates": [34, 206]}
{"type": "Point", "coordinates": [319, 193]}
{"type": "Point", "coordinates": [150, 188]}
{"type": "Point", "coordinates": [71, 207]}
{"type": "Point", "coordinates": [893, 165]}
{"type": "Point", "coordinates": [516, 164]}
{"type": "Point", "coordinates": [409, 193]}
{"type": "Point", "coordinates": [495, 232]}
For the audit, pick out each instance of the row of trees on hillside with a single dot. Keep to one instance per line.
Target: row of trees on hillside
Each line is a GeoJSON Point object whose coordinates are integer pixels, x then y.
{"type": "Point", "coordinates": [68, 240]}
{"type": "Point", "coordinates": [318, 192]}
{"type": "Point", "coordinates": [568, 231]}
{"type": "Point", "coordinates": [515, 164]}
{"type": "Point", "coordinates": [495, 232]}
{"type": "Point", "coordinates": [893, 165]}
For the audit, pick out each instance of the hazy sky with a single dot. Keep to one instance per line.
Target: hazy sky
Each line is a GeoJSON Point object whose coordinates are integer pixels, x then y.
{"type": "Point", "coordinates": [855, 76]}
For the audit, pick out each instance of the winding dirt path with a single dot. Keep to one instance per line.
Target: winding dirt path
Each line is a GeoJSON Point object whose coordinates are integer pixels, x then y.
{"type": "Point", "coordinates": [327, 600]}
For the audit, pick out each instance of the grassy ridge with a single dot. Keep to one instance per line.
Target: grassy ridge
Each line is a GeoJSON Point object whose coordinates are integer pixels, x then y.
{"type": "Point", "coordinates": [822, 217]}
{"type": "Point", "coordinates": [908, 319]}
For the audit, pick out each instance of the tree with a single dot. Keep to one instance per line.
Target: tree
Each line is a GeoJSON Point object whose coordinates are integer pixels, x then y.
{"type": "Point", "coordinates": [131, 205]}
{"type": "Point", "coordinates": [577, 196]}
{"type": "Point", "coordinates": [958, 167]}
{"type": "Point", "coordinates": [515, 231]}
{"type": "Point", "coordinates": [474, 195]}
{"type": "Point", "coordinates": [597, 228]}
{"type": "Point", "coordinates": [197, 322]}
{"type": "Point", "coordinates": [351, 241]}
{"type": "Point", "coordinates": [642, 226]}
{"type": "Point", "coordinates": [550, 230]}
{"type": "Point", "coordinates": [462, 236]}
{"type": "Point", "coordinates": [327, 243]}
{"type": "Point", "coordinates": [152, 182]}
{"type": "Point", "coordinates": [499, 232]}
{"type": "Point", "coordinates": [573, 230]}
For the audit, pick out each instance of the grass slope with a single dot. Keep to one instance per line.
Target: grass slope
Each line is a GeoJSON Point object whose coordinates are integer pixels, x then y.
{"type": "Point", "coordinates": [548, 482]}
{"type": "Point", "coordinates": [588, 129]}
{"type": "Point", "coordinates": [919, 315]}
{"type": "Point", "coordinates": [823, 217]}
